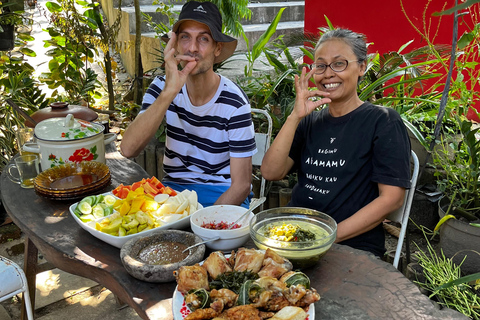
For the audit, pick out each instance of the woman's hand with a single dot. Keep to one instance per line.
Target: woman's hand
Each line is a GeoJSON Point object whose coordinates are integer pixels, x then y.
{"type": "Point", "coordinates": [175, 79]}
{"type": "Point", "coordinates": [303, 104]}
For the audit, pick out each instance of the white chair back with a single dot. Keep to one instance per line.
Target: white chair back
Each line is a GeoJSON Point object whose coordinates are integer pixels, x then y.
{"type": "Point", "coordinates": [402, 215]}
{"type": "Point", "coordinates": [262, 141]}
{"type": "Point", "coordinates": [13, 282]}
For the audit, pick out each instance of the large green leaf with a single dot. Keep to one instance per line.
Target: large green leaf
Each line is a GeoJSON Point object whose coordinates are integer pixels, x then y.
{"type": "Point", "coordinates": [265, 37]}
{"type": "Point", "coordinates": [53, 7]}
{"type": "Point", "coordinates": [461, 6]}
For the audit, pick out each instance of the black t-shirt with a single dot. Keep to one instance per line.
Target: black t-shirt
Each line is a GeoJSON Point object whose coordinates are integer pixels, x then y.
{"type": "Point", "coordinates": [341, 160]}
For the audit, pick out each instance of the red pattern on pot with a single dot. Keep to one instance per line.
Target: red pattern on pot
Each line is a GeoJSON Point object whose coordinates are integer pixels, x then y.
{"type": "Point", "coordinates": [64, 140]}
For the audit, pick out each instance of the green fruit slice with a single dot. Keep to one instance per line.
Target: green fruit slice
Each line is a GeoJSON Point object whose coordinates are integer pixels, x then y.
{"type": "Point", "coordinates": [90, 200]}
{"type": "Point", "coordinates": [99, 198]}
{"type": "Point", "coordinates": [98, 211]}
{"type": "Point", "coordinates": [87, 218]}
{"type": "Point", "coordinates": [107, 210]}
{"type": "Point", "coordinates": [109, 200]}
{"type": "Point", "coordinates": [84, 207]}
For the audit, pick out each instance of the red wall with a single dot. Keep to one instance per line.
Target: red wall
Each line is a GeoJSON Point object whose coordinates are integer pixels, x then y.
{"type": "Point", "coordinates": [384, 23]}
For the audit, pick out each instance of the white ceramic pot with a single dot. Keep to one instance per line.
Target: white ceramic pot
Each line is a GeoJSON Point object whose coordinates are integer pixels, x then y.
{"type": "Point", "coordinates": [63, 140]}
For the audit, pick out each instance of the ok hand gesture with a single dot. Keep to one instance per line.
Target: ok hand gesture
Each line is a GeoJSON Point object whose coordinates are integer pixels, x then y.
{"type": "Point", "coordinates": [303, 104]}
{"type": "Point", "coordinates": [175, 78]}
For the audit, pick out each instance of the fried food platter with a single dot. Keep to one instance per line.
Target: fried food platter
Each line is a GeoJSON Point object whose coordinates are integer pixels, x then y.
{"type": "Point", "coordinates": [271, 271]}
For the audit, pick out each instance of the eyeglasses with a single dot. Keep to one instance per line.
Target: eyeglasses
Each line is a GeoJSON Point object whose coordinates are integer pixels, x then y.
{"type": "Point", "coordinates": [337, 66]}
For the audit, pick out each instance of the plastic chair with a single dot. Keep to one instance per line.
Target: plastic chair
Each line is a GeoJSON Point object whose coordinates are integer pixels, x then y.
{"type": "Point", "coordinates": [13, 281]}
{"type": "Point", "coordinates": [402, 215]}
{"type": "Point", "coordinates": [263, 143]}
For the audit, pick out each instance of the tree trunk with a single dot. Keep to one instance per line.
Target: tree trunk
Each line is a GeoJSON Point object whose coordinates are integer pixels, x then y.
{"type": "Point", "coordinates": [108, 64]}
{"type": "Point", "coordinates": [138, 90]}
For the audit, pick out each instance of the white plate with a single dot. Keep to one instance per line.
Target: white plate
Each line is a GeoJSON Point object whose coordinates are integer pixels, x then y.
{"type": "Point", "coordinates": [119, 241]}
{"type": "Point", "coordinates": [180, 309]}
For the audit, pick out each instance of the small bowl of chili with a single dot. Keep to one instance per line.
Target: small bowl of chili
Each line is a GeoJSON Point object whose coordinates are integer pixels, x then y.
{"type": "Point", "coordinates": [214, 221]}
{"type": "Point", "coordinates": [153, 258]}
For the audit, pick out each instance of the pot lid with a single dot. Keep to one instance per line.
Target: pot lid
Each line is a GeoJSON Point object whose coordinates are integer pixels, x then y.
{"type": "Point", "coordinates": [61, 109]}
{"type": "Point", "coordinates": [66, 128]}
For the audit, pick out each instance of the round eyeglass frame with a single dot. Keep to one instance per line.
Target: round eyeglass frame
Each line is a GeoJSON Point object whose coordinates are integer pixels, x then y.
{"type": "Point", "coordinates": [314, 66]}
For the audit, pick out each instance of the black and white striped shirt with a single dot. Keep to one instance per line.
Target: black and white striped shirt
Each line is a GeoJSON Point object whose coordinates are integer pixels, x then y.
{"type": "Point", "coordinates": [201, 139]}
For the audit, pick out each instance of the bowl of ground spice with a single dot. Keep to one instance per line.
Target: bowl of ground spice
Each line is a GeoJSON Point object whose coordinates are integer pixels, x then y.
{"type": "Point", "coordinates": [153, 258]}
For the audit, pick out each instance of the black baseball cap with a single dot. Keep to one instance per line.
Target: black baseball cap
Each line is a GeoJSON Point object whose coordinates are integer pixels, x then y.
{"type": "Point", "coordinates": [208, 14]}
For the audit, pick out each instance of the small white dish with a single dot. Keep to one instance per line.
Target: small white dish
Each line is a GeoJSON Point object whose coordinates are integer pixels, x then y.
{"type": "Point", "coordinates": [229, 239]}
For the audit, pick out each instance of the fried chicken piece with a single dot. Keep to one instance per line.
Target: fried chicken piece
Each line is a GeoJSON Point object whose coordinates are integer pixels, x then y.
{"type": "Point", "coordinates": [262, 299]}
{"type": "Point", "coordinates": [274, 265]}
{"type": "Point", "coordinates": [245, 312]}
{"type": "Point", "coordinates": [276, 303]}
{"type": "Point", "coordinates": [222, 299]}
{"type": "Point", "coordinates": [311, 296]}
{"type": "Point", "coordinates": [201, 314]}
{"type": "Point", "coordinates": [216, 264]}
{"type": "Point", "coordinates": [295, 293]}
{"type": "Point", "coordinates": [286, 275]}
{"type": "Point", "coordinates": [248, 259]}
{"type": "Point", "coordinates": [191, 277]}
{"type": "Point", "coordinates": [272, 284]}
{"type": "Point", "coordinates": [193, 301]}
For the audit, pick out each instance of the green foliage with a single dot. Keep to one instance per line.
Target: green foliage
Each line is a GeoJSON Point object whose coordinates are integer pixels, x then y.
{"type": "Point", "coordinates": [259, 46]}
{"type": "Point", "coordinates": [444, 282]}
{"type": "Point", "coordinates": [458, 7]}
{"type": "Point", "coordinates": [73, 44]}
{"type": "Point", "coordinates": [458, 170]}
{"type": "Point", "coordinates": [233, 11]}
{"type": "Point", "coordinates": [18, 84]}
{"type": "Point", "coordinates": [8, 15]}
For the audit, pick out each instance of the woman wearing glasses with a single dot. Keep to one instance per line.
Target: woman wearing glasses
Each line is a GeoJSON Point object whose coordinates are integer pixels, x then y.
{"type": "Point", "coordinates": [352, 157]}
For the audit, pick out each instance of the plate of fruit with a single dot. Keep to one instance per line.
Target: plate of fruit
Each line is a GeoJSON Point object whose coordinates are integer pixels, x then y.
{"type": "Point", "coordinates": [115, 220]}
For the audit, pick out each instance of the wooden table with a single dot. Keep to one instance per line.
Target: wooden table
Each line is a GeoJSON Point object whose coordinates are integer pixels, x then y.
{"type": "Point", "coordinates": [352, 284]}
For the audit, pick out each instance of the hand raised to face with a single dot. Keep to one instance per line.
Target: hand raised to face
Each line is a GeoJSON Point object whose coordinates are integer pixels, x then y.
{"type": "Point", "coordinates": [175, 78]}
{"type": "Point", "coordinates": [303, 104]}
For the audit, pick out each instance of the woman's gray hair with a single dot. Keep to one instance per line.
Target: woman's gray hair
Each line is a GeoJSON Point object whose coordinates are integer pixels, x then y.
{"type": "Point", "coordinates": [356, 41]}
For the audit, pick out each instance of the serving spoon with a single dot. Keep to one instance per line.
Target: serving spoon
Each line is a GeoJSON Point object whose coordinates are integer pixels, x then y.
{"type": "Point", "coordinates": [255, 203]}
{"type": "Point", "coordinates": [197, 244]}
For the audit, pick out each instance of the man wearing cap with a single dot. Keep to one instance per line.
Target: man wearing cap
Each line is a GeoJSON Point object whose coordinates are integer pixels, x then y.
{"type": "Point", "coordinates": [210, 136]}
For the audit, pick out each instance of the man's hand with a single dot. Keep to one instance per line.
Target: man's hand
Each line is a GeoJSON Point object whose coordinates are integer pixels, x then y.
{"type": "Point", "coordinates": [175, 79]}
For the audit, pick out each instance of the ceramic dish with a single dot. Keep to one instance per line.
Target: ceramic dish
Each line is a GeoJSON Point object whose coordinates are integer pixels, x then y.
{"type": "Point", "coordinates": [73, 176]}
{"type": "Point", "coordinates": [74, 195]}
{"type": "Point", "coordinates": [150, 272]}
{"type": "Point", "coordinates": [91, 189]}
{"type": "Point", "coordinates": [229, 239]}
{"type": "Point", "coordinates": [120, 241]}
{"type": "Point", "coordinates": [180, 309]}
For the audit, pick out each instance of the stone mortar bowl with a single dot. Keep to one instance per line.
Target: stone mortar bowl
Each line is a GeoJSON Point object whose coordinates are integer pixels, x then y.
{"type": "Point", "coordinates": [156, 272]}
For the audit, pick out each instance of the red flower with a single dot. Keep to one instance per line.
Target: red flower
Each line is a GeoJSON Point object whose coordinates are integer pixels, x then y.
{"type": "Point", "coordinates": [52, 157]}
{"type": "Point", "coordinates": [63, 135]}
{"type": "Point", "coordinates": [81, 155]}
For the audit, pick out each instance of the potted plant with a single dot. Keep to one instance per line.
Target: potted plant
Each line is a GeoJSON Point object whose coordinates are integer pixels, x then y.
{"type": "Point", "coordinates": [458, 172]}
{"type": "Point", "coordinates": [10, 17]}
